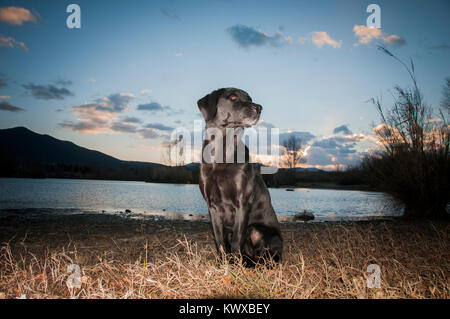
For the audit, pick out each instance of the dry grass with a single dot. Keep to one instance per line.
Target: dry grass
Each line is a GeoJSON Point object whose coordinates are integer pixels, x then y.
{"type": "Point", "coordinates": [150, 260]}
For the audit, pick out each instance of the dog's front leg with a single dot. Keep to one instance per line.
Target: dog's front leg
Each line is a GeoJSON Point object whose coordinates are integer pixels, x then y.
{"type": "Point", "coordinates": [217, 224]}
{"type": "Point", "coordinates": [239, 229]}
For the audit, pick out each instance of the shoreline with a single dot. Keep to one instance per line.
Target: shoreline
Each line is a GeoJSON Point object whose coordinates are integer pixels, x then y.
{"type": "Point", "coordinates": [316, 185]}
{"type": "Point", "coordinates": [156, 215]}
{"type": "Point", "coordinates": [131, 258]}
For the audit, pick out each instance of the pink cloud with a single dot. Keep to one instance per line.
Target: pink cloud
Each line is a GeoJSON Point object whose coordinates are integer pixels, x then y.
{"type": "Point", "coordinates": [321, 38]}
{"type": "Point", "coordinates": [16, 15]}
{"type": "Point", "coordinates": [366, 34]}
{"type": "Point", "coordinates": [10, 42]}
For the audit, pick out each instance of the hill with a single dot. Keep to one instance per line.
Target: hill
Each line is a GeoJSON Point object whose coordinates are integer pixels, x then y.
{"type": "Point", "coordinates": [24, 153]}
{"type": "Point", "coordinates": [22, 145]}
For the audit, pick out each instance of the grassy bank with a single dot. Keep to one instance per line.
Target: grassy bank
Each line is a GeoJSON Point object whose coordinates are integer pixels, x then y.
{"type": "Point", "coordinates": [122, 258]}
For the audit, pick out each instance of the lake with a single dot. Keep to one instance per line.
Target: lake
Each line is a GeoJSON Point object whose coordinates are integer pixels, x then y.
{"type": "Point", "coordinates": [149, 198]}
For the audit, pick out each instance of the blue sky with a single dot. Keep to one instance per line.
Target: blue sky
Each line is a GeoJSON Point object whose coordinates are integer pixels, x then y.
{"type": "Point", "coordinates": [135, 69]}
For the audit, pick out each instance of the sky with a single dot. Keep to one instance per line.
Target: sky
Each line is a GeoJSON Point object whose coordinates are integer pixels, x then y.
{"type": "Point", "coordinates": [134, 70]}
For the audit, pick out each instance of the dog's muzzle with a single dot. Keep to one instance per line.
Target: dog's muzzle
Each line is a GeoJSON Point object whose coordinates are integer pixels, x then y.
{"type": "Point", "coordinates": [257, 107]}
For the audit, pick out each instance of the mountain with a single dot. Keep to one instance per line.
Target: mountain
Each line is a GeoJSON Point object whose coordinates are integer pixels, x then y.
{"type": "Point", "coordinates": [21, 145]}
{"type": "Point", "coordinates": [308, 169]}
{"type": "Point", "coordinates": [24, 153]}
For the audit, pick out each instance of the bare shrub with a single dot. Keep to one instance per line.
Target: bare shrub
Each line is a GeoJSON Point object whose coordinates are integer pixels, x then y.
{"type": "Point", "coordinates": [413, 163]}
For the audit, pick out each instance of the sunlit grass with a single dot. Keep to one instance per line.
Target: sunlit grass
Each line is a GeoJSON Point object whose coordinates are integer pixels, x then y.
{"type": "Point", "coordinates": [320, 261]}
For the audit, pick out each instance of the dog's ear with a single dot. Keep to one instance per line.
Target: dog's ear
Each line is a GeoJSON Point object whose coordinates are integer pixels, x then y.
{"type": "Point", "coordinates": [208, 104]}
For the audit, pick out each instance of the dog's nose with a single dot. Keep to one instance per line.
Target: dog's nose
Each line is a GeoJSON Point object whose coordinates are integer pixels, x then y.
{"type": "Point", "coordinates": [257, 107]}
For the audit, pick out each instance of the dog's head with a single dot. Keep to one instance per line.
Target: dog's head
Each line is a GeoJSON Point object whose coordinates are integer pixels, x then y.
{"type": "Point", "coordinates": [229, 107]}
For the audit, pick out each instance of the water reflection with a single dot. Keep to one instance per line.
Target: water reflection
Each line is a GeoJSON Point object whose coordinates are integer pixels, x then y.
{"type": "Point", "coordinates": [145, 198]}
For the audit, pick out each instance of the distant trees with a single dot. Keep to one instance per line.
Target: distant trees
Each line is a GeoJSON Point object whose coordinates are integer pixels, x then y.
{"type": "Point", "coordinates": [126, 172]}
{"type": "Point", "coordinates": [173, 152]}
{"type": "Point", "coordinates": [413, 163]}
{"type": "Point", "coordinates": [292, 155]}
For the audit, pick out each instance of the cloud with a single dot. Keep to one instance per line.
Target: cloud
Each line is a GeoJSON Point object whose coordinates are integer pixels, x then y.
{"type": "Point", "coordinates": [152, 106]}
{"type": "Point", "coordinates": [366, 34]}
{"type": "Point", "coordinates": [342, 148]}
{"type": "Point", "coordinates": [146, 91]}
{"type": "Point", "coordinates": [123, 127]}
{"type": "Point", "coordinates": [335, 150]}
{"type": "Point", "coordinates": [64, 82]}
{"type": "Point", "coordinates": [170, 14]}
{"type": "Point", "coordinates": [115, 102]}
{"type": "Point", "coordinates": [85, 127]}
{"type": "Point", "coordinates": [5, 97]}
{"type": "Point", "coordinates": [105, 116]}
{"type": "Point", "coordinates": [387, 134]}
{"type": "Point", "coordinates": [342, 129]}
{"type": "Point", "coordinates": [179, 54]}
{"type": "Point", "coordinates": [302, 40]}
{"type": "Point", "coordinates": [98, 116]}
{"type": "Point", "coordinates": [321, 38]}
{"type": "Point", "coordinates": [155, 107]}
{"type": "Point", "coordinates": [148, 133]}
{"type": "Point", "coordinates": [92, 80]}
{"type": "Point", "coordinates": [129, 119]}
{"type": "Point", "coordinates": [265, 124]}
{"type": "Point", "coordinates": [394, 40]}
{"type": "Point", "coordinates": [321, 157]}
{"type": "Point", "coordinates": [326, 143]}
{"type": "Point", "coordinates": [10, 42]}
{"type": "Point", "coordinates": [303, 136]}
{"type": "Point", "coordinates": [6, 106]}
{"type": "Point", "coordinates": [330, 152]}
{"type": "Point", "coordinates": [49, 92]}
{"type": "Point", "coordinates": [424, 43]}
{"type": "Point", "coordinates": [266, 149]}
{"type": "Point", "coordinates": [16, 15]}
{"type": "Point", "coordinates": [159, 126]}
{"type": "Point", "coordinates": [442, 46]}
{"type": "Point", "coordinates": [246, 36]}
{"type": "Point", "coordinates": [334, 144]}
{"type": "Point", "coordinates": [3, 83]}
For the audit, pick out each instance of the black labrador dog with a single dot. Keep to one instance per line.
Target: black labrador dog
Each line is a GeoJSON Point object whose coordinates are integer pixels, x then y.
{"type": "Point", "coordinates": [242, 216]}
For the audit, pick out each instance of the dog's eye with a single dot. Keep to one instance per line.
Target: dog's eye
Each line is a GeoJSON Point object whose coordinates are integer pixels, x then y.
{"type": "Point", "coordinates": [233, 97]}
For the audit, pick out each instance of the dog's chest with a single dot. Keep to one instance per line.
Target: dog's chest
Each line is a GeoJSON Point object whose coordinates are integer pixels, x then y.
{"type": "Point", "coordinates": [224, 186]}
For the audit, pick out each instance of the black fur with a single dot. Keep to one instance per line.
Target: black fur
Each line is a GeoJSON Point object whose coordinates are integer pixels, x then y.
{"type": "Point", "coordinates": [242, 216]}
